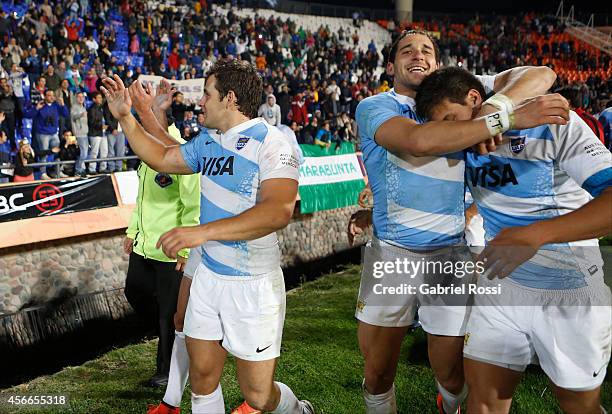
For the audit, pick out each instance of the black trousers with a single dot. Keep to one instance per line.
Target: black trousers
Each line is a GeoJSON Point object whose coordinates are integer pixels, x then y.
{"type": "Point", "coordinates": [152, 289]}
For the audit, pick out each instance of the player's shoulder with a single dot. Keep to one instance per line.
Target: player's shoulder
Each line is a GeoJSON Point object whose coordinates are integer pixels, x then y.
{"type": "Point", "coordinates": [381, 98]}
{"type": "Point", "coordinates": [384, 101]}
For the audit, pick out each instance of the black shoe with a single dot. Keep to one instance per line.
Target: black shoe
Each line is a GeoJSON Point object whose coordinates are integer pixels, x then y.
{"type": "Point", "coordinates": [82, 174]}
{"type": "Point", "coordinates": [158, 381]}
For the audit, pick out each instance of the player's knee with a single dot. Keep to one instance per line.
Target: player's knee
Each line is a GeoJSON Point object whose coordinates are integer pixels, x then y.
{"type": "Point", "coordinates": [202, 380]}
{"type": "Point", "coordinates": [574, 403]}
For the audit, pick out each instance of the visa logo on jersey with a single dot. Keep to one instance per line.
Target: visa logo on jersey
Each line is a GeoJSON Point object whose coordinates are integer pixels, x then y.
{"type": "Point", "coordinates": [492, 175]}
{"type": "Point", "coordinates": [218, 165]}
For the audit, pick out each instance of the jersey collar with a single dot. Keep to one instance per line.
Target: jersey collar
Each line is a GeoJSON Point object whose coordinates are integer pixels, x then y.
{"type": "Point", "coordinates": [243, 126]}
{"type": "Point", "coordinates": [403, 99]}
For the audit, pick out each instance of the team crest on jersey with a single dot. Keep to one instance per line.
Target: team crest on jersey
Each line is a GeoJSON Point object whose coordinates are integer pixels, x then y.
{"type": "Point", "coordinates": [241, 143]}
{"type": "Point", "coordinates": [517, 144]}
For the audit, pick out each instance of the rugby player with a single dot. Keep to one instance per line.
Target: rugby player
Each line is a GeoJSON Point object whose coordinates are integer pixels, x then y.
{"type": "Point", "coordinates": [249, 186]}
{"type": "Point", "coordinates": [418, 205]}
{"type": "Point", "coordinates": [545, 195]}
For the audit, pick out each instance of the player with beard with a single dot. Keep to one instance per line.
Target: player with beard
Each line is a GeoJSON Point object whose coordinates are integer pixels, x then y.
{"type": "Point", "coordinates": [416, 174]}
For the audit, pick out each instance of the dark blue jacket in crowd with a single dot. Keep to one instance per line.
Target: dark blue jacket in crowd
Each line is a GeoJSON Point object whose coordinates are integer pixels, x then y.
{"type": "Point", "coordinates": [46, 119]}
{"type": "Point", "coordinates": [5, 156]}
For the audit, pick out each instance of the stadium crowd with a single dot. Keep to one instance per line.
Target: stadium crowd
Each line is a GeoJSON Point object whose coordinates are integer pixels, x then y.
{"type": "Point", "coordinates": [54, 55]}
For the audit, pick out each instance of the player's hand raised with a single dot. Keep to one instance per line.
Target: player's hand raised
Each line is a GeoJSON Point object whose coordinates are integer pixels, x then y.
{"type": "Point", "coordinates": [163, 95]}
{"type": "Point", "coordinates": [142, 98]}
{"type": "Point", "coordinates": [117, 96]}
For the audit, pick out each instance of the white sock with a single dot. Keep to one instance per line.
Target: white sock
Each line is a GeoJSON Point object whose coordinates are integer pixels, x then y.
{"type": "Point", "coordinates": [179, 371]}
{"type": "Point", "coordinates": [450, 401]}
{"type": "Point", "coordinates": [288, 403]}
{"type": "Point", "coordinates": [380, 403]}
{"type": "Point", "coordinates": [208, 404]}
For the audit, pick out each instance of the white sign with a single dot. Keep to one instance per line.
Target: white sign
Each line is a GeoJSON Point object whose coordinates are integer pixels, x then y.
{"type": "Point", "coordinates": [193, 89]}
{"type": "Point", "coordinates": [330, 169]}
{"type": "Point", "coordinates": [127, 182]}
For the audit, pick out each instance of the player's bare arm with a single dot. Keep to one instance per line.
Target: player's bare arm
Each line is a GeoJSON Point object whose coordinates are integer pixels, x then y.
{"type": "Point", "coordinates": [405, 138]}
{"type": "Point", "coordinates": [158, 155]}
{"type": "Point", "coordinates": [524, 82]}
{"type": "Point", "coordinates": [271, 213]}
{"type": "Point", "coordinates": [592, 220]}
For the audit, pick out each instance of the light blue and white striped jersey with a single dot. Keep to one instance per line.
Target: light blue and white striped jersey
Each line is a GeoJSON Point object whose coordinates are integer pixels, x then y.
{"type": "Point", "coordinates": [233, 166]}
{"type": "Point", "coordinates": [538, 174]}
{"type": "Point", "coordinates": [418, 201]}
{"type": "Point", "coordinates": [605, 117]}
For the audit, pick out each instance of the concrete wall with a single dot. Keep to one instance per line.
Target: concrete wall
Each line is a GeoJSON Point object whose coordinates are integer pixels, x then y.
{"type": "Point", "coordinates": [33, 275]}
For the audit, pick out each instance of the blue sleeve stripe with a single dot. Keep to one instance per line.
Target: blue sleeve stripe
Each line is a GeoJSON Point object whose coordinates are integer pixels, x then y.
{"type": "Point", "coordinates": [598, 182]}
{"type": "Point", "coordinates": [189, 157]}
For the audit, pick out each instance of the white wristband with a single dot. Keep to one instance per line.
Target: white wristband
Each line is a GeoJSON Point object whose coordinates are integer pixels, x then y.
{"type": "Point", "coordinates": [497, 122]}
{"type": "Point", "coordinates": [501, 102]}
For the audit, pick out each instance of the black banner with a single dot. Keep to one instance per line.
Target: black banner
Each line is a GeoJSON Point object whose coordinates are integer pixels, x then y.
{"type": "Point", "coordinates": [48, 198]}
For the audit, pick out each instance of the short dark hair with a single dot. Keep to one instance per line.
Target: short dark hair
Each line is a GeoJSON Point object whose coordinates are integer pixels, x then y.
{"type": "Point", "coordinates": [95, 95]}
{"type": "Point", "coordinates": [393, 50]}
{"type": "Point", "coordinates": [242, 78]}
{"type": "Point", "coordinates": [573, 95]}
{"type": "Point", "coordinates": [450, 83]}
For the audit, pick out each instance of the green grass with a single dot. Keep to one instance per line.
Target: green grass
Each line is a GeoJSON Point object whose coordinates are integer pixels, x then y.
{"type": "Point", "coordinates": [320, 361]}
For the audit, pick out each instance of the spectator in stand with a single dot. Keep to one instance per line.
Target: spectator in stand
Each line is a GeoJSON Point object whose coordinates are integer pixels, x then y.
{"type": "Point", "coordinates": [270, 111]}
{"type": "Point", "coordinates": [284, 101]}
{"type": "Point", "coordinates": [25, 155]}
{"type": "Point", "coordinates": [575, 99]}
{"type": "Point", "coordinates": [16, 79]}
{"type": "Point", "coordinates": [52, 79]}
{"type": "Point", "coordinates": [333, 93]}
{"type": "Point", "coordinates": [73, 26]}
{"type": "Point", "coordinates": [324, 136]}
{"type": "Point", "coordinates": [299, 114]}
{"type": "Point", "coordinates": [91, 80]}
{"type": "Point", "coordinates": [116, 142]}
{"type": "Point", "coordinates": [8, 106]}
{"type": "Point", "coordinates": [5, 155]}
{"type": "Point", "coordinates": [309, 132]}
{"type": "Point", "coordinates": [37, 94]}
{"type": "Point", "coordinates": [97, 126]}
{"type": "Point", "coordinates": [69, 151]}
{"type": "Point", "coordinates": [178, 109]}
{"type": "Point", "coordinates": [201, 118]}
{"type": "Point", "coordinates": [78, 116]}
{"type": "Point", "coordinates": [260, 61]}
{"type": "Point", "coordinates": [47, 120]}
{"type": "Point", "coordinates": [190, 120]}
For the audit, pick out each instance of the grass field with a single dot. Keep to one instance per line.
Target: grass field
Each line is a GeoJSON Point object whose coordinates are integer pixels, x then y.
{"type": "Point", "coordinates": [320, 361]}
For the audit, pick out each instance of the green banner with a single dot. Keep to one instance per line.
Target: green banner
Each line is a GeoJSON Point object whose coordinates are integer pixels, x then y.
{"type": "Point", "coordinates": [329, 178]}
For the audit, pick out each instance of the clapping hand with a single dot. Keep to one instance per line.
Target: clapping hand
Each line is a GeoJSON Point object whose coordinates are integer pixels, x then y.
{"type": "Point", "coordinates": [117, 96]}
{"type": "Point", "coordinates": [163, 95]}
{"type": "Point", "coordinates": [143, 99]}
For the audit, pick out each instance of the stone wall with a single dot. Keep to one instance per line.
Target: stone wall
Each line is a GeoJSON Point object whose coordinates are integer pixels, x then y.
{"type": "Point", "coordinates": [33, 275]}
